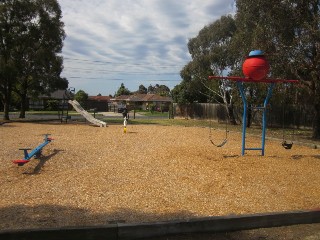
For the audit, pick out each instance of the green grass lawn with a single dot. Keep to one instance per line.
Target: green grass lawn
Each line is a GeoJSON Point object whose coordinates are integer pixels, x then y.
{"type": "Point", "coordinates": [50, 113]}
{"type": "Point", "coordinates": [303, 135]}
{"type": "Point", "coordinates": [152, 114]}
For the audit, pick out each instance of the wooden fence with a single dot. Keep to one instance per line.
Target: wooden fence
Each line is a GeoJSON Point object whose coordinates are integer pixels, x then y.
{"type": "Point", "coordinates": [277, 116]}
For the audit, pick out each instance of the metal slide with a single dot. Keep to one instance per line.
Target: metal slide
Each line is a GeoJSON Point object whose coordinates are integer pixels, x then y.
{"type": "Point", "coordinates": [87, 115]}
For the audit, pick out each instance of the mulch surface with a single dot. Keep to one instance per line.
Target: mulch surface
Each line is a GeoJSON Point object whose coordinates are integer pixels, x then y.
{"type": "Point", "coordinates": [91, 176]}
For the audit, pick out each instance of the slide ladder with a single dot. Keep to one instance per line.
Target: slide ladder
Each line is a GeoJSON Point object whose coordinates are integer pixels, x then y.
{"type": "Point", "coordinates": [87, 115]}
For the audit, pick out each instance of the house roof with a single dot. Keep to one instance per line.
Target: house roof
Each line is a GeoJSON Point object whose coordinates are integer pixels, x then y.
{"type": "Point", "coordinates": [99, 98]}
{"type": "Point", "coordinates": [58, 94]}
{"type": "Point", "coordinates": [142, 98]}
{"type": "Point", "coordinates": [158, 98]}
{"type": "Point", "coordinates": [121, 98]}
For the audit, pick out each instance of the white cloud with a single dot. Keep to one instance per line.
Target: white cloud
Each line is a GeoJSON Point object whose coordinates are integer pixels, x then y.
{"type": "Point", "coordinates": [134, 42]}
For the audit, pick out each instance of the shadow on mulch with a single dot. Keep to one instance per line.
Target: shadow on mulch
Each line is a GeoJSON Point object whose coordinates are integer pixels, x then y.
{"type": "Point", "coordinates": [55, 216]}
{"type": "Point", "coordinates": [42, 160]}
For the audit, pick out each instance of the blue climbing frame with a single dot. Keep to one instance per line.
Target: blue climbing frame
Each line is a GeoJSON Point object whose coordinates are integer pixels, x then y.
{"type": "Point", "coordinates": [35, 152]}
{"type": "Point", "coordinates": [244, 118]}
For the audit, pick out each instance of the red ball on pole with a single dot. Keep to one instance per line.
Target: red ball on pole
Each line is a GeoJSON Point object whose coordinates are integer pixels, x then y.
{"type": "Point", "coordinates": [256, 66]}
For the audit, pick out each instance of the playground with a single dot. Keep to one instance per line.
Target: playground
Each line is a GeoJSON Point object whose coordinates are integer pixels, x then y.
{"type": "Point", "coordinates": [93, 176]}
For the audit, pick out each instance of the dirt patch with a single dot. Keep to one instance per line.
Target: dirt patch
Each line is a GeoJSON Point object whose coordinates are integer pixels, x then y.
{"type": "Point", "coordinates": [92, 176]}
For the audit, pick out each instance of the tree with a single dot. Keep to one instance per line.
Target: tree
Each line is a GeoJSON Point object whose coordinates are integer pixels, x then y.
{"type": "Point", "coordinates": [288, 31]}
{"type": "Point", "coordinates": [9, 21]}
{"type": "Point", "coordinates": [210, 52]}
{"type": "Point", "coordinates": [81, 97]}
{"type": "Point", "coordinates": [123, 90]}
{"type": "Point", "coordinates": [31, 37]}
{"type": "Point", "coordinates": [306, 50]}
{"type": "Point", "coordinates": [180, 93]}
{"type": "Point", "coordinates": [151, 89]}
{"type": "Point", "coordinates": [142, 89]}
{"type": "Point", "coordinates": [162, 90]}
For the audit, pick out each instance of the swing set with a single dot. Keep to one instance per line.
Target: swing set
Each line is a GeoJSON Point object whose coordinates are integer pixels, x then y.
{"type": "Point", "coordinates": [286, 144]}
{"type": "Point", "coordinates": [255, 69]}
{"type": "Point", "coordinates": [224, 141]}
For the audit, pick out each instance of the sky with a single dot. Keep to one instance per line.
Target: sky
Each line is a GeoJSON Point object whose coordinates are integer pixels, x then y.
{"type": "Point", "coordinates": [134, 42]}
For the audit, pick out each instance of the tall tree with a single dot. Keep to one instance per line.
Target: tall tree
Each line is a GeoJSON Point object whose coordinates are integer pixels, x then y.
{"type": "Point", "coordinates": [161, 90]}
{"type": "Point", "coordinates": [151, 89]}
{"type": "Point", "coordinates": [122, 91]}
{"type": "Point", "coordinates": [81, 97]}
{"type": "Point", "coordinates": [210, 55]}
{"type": "Point", "coordinates": [33, 33]}
{"type": "Point", "coordinates": [306, 50]}
{"type": "Point", "coordinates": [289, 32]}
{"type": "Point", "coordinates": [9, 22]}
{"type": "Point", "coordinates": [142, 89]}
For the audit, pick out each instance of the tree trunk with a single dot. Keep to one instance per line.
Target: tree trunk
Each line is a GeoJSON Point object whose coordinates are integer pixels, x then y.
{"type": "Point", "coordinates": [232, 118]}
{"type": "Point", "coordinates": [316, 122]}
{"type": "Point", "coordinates": [249, 109]}
{"type": "Point", "coordinates": [23, 106]}
{"type": "Point", "coordinates": [249, 116]}
{"type": "Point", "coordinates": [6, 99]}
{"type": "Point", "coordinates": [6, 111]}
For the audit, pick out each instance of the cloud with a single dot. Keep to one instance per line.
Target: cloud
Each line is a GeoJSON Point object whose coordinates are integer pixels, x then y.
{"type": "Point", "coordinates": [134, 42]}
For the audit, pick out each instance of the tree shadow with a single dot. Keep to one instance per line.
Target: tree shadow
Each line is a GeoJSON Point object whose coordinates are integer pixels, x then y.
{"type": "Point", "coordinates": [298, 156]}
{"type": "Point", "coordinates": [131, 132]}
{"type": "Point", "coordinates": [6, 124]}
{"type": "Point", "coordinates": [56, 216]}
{"type": "Point", "coordinates": [231, 156]}
{"type": "Point", "coordinates": [60, 217]}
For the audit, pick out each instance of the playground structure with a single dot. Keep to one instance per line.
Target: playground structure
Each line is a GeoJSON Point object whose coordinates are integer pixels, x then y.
{"type": "Point", "coordinates": [86, 115]}
{"type": "Point", "coordinates": [255, 69]}
{"type": "Point", "coordinates": [36, 152]}
{"type": "Point", "coordinates": [64, 106]}
{"type": "Point", "coordinates": [225, 139]}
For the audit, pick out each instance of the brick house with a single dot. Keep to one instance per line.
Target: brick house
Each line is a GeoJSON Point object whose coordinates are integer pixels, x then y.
{"type": "Point", "coordinates": [41, 102]}
{"type": "Point", "coordinates": [100, 103]}
{"type": "Point", "coordinates": [142, 102]}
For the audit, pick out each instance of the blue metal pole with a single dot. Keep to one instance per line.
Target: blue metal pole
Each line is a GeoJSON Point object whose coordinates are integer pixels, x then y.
{"type": "Point", "coordinates": [244, 118]}
{"type": "Point", "coordinates": [264, 118]}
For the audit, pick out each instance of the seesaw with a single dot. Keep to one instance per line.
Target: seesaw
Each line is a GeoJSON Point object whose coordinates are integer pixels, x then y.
{"type": "Point", "coordinates": [36, 152]}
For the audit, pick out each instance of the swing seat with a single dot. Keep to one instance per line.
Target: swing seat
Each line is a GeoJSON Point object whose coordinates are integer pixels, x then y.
{"type": "Point", "coordinates": [221, 144]}
{"type": "Point", "coordinates": [287, 145]}
{"type": "Point", "coordinates": [20, 162]}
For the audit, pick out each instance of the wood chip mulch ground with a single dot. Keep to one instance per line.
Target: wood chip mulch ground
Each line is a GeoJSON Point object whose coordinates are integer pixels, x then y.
{"type": "Point", "coordinates": [92, 176]}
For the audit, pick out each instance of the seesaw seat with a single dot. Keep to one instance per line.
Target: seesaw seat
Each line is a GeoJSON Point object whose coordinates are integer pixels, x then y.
{"type": "Point", "coordinates": [20, 162]}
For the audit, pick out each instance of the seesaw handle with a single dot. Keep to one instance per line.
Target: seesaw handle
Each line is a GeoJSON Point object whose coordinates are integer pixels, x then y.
{"type": "Point", "coordinates": [25, 152]}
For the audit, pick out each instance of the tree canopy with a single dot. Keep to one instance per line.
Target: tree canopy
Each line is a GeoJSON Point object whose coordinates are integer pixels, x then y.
{"type": "Point", "coordinates": [288, 33]}
{"type": "Point", "coordinates": [210, 52]}
{"type": "Point", "coordinates": [31, 37]}
{"type": "Point", "coordinates": [161, 90]}
{"type": "Point", "coordinates": [81, 97]}
{"type": "Point", "coordinates": [122, 91]}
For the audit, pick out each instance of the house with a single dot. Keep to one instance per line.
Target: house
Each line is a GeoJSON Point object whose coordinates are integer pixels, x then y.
{"type": "Point", "coordinates": [99, 103]}
{"type": "Point", "coordinates": [143, 102]}
{"type": "Point", "coordinates": [58, 98]}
